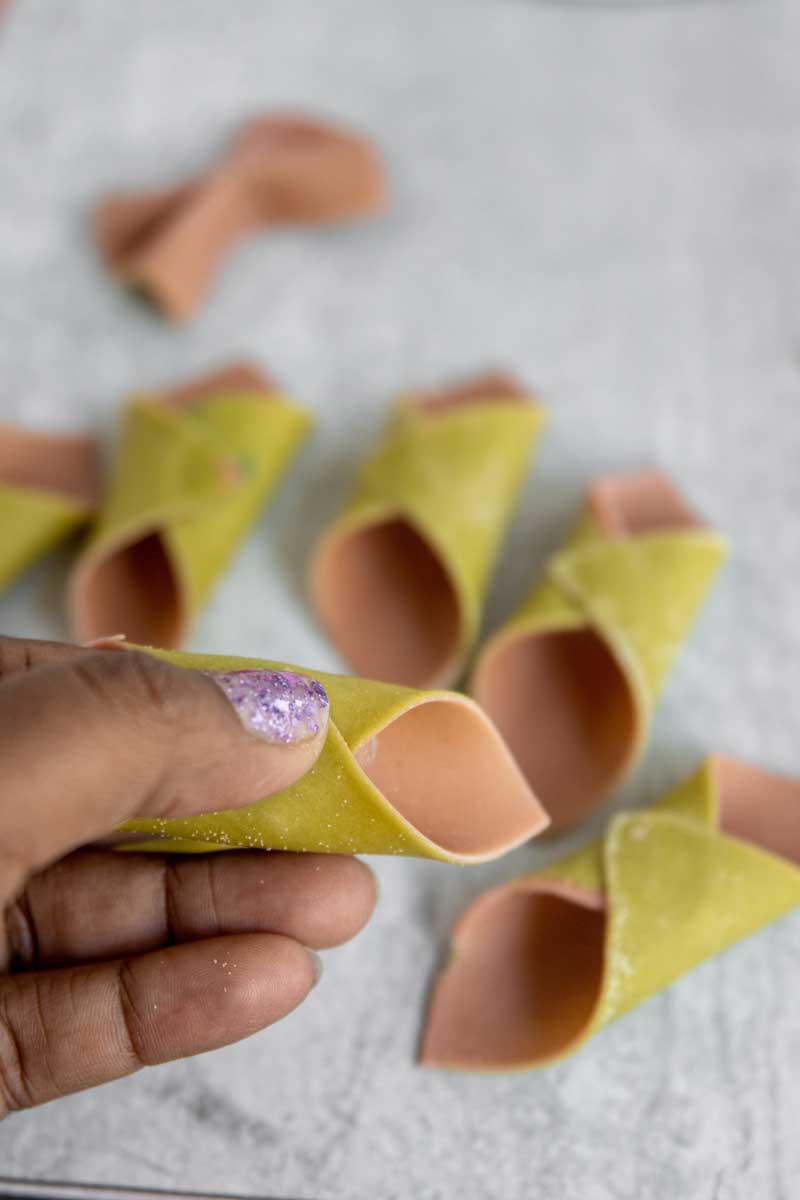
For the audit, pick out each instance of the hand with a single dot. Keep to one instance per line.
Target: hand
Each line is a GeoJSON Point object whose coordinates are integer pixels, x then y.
{"type": "Point", "coordinates": [110, 962]}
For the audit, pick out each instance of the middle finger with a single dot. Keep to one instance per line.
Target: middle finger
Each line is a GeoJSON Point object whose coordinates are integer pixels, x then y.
{"type": "Point", "coordinates": [97, 904]}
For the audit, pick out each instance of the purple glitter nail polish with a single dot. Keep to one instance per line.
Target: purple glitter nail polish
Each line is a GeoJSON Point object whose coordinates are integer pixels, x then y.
{"type": "Point", "coordinates": [276, 706]}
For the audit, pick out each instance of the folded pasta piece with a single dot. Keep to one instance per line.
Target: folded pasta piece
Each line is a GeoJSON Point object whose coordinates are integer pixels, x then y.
{"type": "Point", "coordinates": [400, 578]}
{"type": "Point", "coordinates": [540, 964]}
{"type": "Point", "coordinates": [572, 680]}
{"type": "Point", "coordinates": [280, 170]}
{"type": "Point", "coordinates": [49, 486]}
{"type": "Point", "coordinates": [194, 467]}
{"type": "Point", "coordinates": [401, 772]}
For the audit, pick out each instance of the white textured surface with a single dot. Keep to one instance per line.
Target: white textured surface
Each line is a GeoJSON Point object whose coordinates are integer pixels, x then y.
{"type": "Point", "coordinates": [608, 201]}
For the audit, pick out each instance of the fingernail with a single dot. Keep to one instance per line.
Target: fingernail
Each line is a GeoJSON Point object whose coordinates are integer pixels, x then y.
{"type": "Point", "coordinates": [318, 966]}
{"type": "Point", "coordinates": [276, 706]}
{"type": "Point", "coordinates": [110, 641]}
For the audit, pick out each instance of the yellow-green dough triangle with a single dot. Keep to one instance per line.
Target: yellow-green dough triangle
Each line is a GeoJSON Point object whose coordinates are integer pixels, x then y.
{"type": "Point", "coordinates": [643, 593]}
{"type": "Point", "coordinates": [678, 893]}
{"type": "Point", "coordinates": [453, 477]}
{"type": "Point", "coordinates": [336, 807]}
{"type": "Point", "coordinates": [665, 889]}
{"type": "Point", "coordinates": [195, 477]}
{"type": "Point", "coordinates": [678, 890]}
{"type": "Point", "coordinates": [589, 650]}
{"type": "Point", "coordinates": [33, 522]}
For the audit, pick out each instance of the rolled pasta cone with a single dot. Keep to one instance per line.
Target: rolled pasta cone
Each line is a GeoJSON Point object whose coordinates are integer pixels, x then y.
{"type": "Point", "coordinates": [540, 964]}
{"type": "Point", "coordinates": [573, 678]}
{"type": "Point", "coordinates": [401, 772]}
{"type": "Point", "coordinates": [193, 469]}
{"type": "Point", "coordinates": [280, 170]}
{"type": "Point", "coordinates": [400, 578]}
{"type": "Point", "coordinates": [49, 485]}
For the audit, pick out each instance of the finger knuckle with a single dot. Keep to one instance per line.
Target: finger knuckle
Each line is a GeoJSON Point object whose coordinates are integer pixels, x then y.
{"type": "Point", "coordinates": [21, 935]}
{"type": "Point", "coordinates": [12, 1097]}
{"type": "Point", "coordinates": [134, 680]}
{"type": "Point", "coordinates": [16, 1092]}
{"type": "Point", "coordinates": [130, 1020]}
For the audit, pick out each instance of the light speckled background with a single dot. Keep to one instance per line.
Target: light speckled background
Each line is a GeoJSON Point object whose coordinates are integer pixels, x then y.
{"type": "Point", "coordinates": [609, 202]}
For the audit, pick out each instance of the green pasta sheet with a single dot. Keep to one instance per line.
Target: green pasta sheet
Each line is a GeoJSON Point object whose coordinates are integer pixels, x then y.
{"type": "Point", "coordinates": [665, 889]}
{"type": "Point", "coordinates": [455, 477]}
{"type": "Point", "coordinates": [49, 484]}
{"type": "Point", "coordinates": [194, 477]}
{"type": "Point", "coordinates": [638, 597]}
{"type": "Point", "coordinates": [452, 476]}
{"type": "Point", "coordinates": [32, 523]}
{"type": "Point", "coordinates": [338, 808]}
{"type": "Point", "coordinates": [643, 594]}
